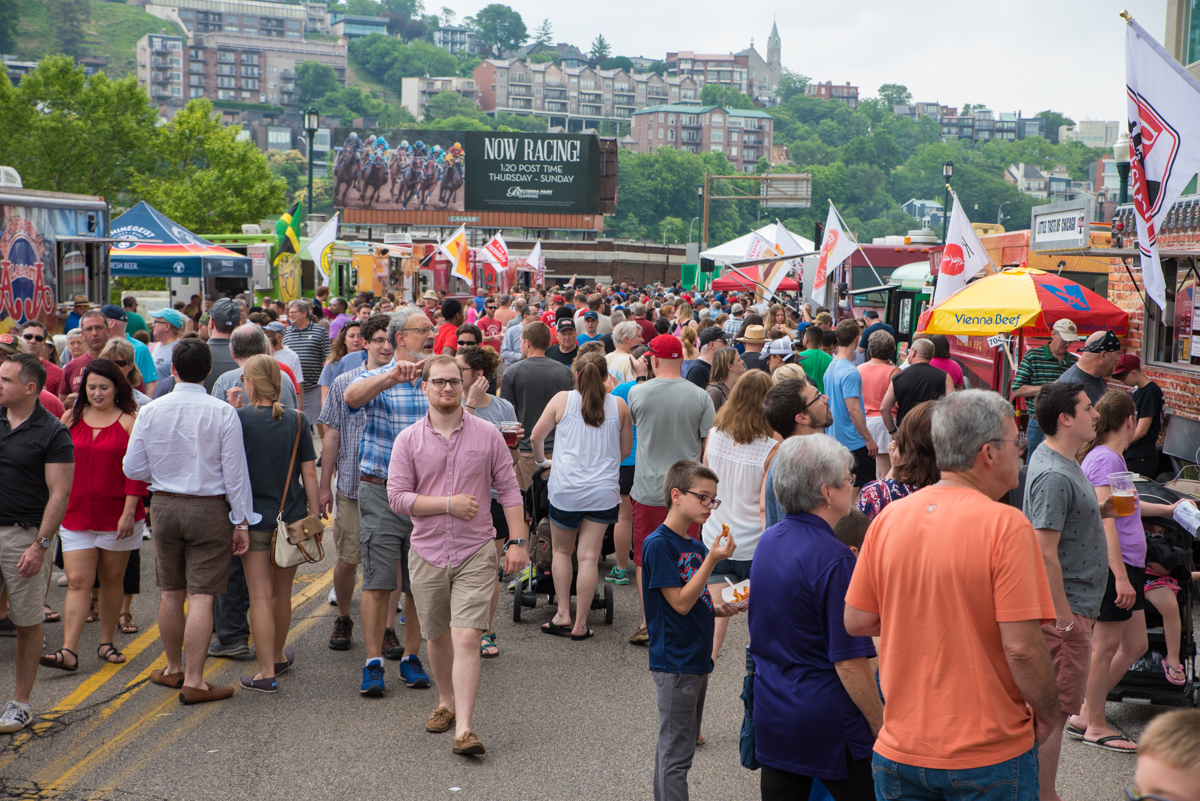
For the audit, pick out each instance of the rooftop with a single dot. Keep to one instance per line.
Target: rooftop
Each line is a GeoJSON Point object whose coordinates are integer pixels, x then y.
{"type": "Point", "coordinates": [686, 108]}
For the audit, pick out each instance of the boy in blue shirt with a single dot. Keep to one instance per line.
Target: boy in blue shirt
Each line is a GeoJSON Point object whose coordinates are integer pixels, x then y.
{"type": "Point", "coordinates": [679, 618]}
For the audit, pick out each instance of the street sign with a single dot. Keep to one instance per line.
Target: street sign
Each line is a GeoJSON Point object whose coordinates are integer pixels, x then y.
{"type": "Point", "coordinates": [787, 191]}
{"type": "Point", "coordinates": [1060, 226]}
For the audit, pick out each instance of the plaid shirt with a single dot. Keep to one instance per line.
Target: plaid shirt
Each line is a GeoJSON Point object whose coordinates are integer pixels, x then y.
{"type": "Point", "coordinates": [732, 326]}
{"type": "Point", "coordinates": [1039, 367]}
{"type": "Point", "coordinates": [387, 414]}
{"type": "Point", "coordinates": [337, 416]}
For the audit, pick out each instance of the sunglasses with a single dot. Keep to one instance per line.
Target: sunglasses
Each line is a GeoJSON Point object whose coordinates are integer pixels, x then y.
{"type": "Point", "coordinates": [121, 362]}
{"type": "Point", "coordinates": [34, 338]}
{"type": "Point", "coordinates": [465, 343]}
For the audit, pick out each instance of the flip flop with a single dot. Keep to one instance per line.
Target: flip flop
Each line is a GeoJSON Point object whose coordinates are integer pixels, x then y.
{"type": "Point", "coordinates": [1074, 731]}
{"type": "Point", "coordinates": [1103, 742]}
{"type": "Point", "coordinates": [1177, 670]}
{"type": "Point", "coordinates": [578, 637]}
{"type": "Point", "coordinates": [51, 616]}
{"type": "Point", "coordinates": [556, 630]}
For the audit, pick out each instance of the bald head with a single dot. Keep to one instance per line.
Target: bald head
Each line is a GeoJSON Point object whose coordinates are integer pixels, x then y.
{"type": "Point", "coordinates": [920, 351]}
{"type": "Point", "coordinates": [1100, 364]}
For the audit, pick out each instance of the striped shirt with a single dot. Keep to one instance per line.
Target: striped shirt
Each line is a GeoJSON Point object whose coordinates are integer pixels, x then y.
{"type": "Point", "coordinates": [386, 415]}
{"type": "Point", "coordinates": [1039, 367]}
{"type": "Point", "coordinates": [335, 415]}
{"type": "Point", "coordinates": [312, 346]}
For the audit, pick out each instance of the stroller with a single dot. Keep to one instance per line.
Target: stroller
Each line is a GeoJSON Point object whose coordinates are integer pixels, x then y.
{"type": "Point", "coordinates": [536, 578]}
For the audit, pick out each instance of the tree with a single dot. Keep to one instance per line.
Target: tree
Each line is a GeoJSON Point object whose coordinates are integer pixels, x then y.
{"type": "Point", "coordinates": [348, 103]}
{"type": "Point", "coordinates": [600, 48]}
{"type": "Point", "coordinates": [407, 8]}
{"type": "Point", "coordinates": [617, 63]}
{"type": "Point", "coordinates": [500, 28]}
{"type": "Point", "coordinates": [658, 67]}
{"type": "Point", "coordinates": [459, 123]}
{"type": "Point", "coordinates": [791, 84]}
{"type": "Point", "coordinates": [895, 94]}
{"type": "Point", "coordinates": [69, 17]}
{"type": "Point", "coordinates": [314, 80]}
{"type": "Point", "coordinates": [543, 57]}
{"type": "Point", "coordinates": [65, 132]}
{"type": "Point", "coordinates": [448, 15]}
{"type": "Point", "coordinates": [544, 35]}
{"type": "Point", "coordinates": [450, 104]}
{"type": "Point", "coordinates": [1053, 121]}
{"type": "Point", "coordinates": [521, 122]}
{"type": "Point", "coordinates": [204, 178]}
{"type": "Point", "coordinates": [671, 229]}
{"type": "Point", "coordinates": [364, 8]}
{"type": "Point", "coordinates": [10, 15]}
{"type": "Point", "coordinates": [725, 96]}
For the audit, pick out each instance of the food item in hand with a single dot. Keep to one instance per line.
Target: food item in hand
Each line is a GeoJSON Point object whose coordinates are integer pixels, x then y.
{"type": "Point", "coordinates": [741, 594]}
{"type": "Point", "coordinates": [724, 533]}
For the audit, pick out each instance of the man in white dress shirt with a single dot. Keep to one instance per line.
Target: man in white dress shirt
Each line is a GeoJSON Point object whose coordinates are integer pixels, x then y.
{"type": "Point", "coordinates": [188, 446]}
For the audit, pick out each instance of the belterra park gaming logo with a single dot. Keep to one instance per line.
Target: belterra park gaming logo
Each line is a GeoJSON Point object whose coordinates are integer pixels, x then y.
{"type": "Point", "coordinates": [521, 193]}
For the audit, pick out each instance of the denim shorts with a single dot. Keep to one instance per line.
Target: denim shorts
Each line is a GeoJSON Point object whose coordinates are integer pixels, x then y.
{"type": "Point", "coordinates": [570, 521]}
{"type": "Point", "coordinates": [735, 569]}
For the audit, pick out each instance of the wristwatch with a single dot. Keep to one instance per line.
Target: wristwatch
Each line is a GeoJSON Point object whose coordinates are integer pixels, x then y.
{"type": "Point", "coordinates": [45, 542]}
{"type": "Point", "coordinates": [519, 542]}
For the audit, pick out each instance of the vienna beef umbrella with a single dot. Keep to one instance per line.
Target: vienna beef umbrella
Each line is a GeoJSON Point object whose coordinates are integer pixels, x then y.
{"type": "Point", "coordinates": [1024, 301]}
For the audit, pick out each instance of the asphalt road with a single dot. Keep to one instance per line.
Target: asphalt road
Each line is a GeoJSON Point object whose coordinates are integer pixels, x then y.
{"type": "Point", "coordinates": [560, 720]}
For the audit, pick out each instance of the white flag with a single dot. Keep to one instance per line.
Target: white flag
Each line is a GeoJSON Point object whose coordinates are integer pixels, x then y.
{"type": "Point", "coordinates": [757, 248]}
{"type": "Point", "coordinates": [962, 257]}
{"type": "Point", "coordinates": [320, 248]}
{"type": "Point", "coordinates": [496, 251]}
{"type": "Point", "coordinates": [1164, 142]}
{"type": "Point", "coordinates": [535, 263]}
{"type": "Point", "coordinates": [836, 247]}
{"type": "Point", "coordinates": [785, 245]}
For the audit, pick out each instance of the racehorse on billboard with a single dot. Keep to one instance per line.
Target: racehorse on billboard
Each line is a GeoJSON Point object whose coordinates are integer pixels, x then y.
{"type": "Point", "coordinates": [423, 171]}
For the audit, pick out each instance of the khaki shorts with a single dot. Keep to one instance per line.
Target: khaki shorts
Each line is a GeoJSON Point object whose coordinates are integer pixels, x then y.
{"type": "Point", "coordinates": [261, 540]}
{"type": "Point", "coordinates": [526, 467]}
{"type": "Point", "coordinates": [1071, 655]}
{"type": "Point", "coordinates": [193, 544]}
{"type": "Point", "coordinates": [26, 596]}
{"type": "Point", "coordinates": [349, 530]}
{"type": "Point", "coordinates": [454, 597]}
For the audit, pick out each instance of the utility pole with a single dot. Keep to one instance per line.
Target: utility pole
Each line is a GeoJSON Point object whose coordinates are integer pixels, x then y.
{"type": "Point", "coordinates": [704, 225]}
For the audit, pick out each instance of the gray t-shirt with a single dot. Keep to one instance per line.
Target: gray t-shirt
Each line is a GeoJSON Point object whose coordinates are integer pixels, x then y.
{"type": "Point", "coordinates": [672, 417]}
{"type": "Point", "coordinates": [496, 412]}
{"type": "Point", "coordinates": [222, 361]}
{"type": "Point", "coordinates": [529, 385]}
{"type": "Point", "coordinates": [229, 380]}
{"type": "Point", "coordinates": [268, 444]}
{"type": "Point", "coordinates": [1094, 387]}
{"type": "Point", "coordinates": [1059, 497]}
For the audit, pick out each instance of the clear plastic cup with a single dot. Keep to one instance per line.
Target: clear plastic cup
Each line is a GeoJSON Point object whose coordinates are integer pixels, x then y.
{"type": "Point", "coordinates": [1123, 495]}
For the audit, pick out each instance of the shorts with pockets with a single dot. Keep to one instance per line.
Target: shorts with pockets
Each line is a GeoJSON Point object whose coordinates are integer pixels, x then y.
{"type": "Point", "coordinates": [454, 597]}
{"type": "Point", "coordinates": [384, 539]}
{"type": "Point", "coordinates": [1109, 611]}
{"type": "Point", "coordinates": [26, 596]}
{"type": "Point", "coordinates": [349, 530]}
{"type": "Point", "coordinates": [193, 544]}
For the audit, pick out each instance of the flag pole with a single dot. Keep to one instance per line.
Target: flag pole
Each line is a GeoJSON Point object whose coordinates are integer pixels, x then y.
{"type": "Point", "coordinates": [858, 245]}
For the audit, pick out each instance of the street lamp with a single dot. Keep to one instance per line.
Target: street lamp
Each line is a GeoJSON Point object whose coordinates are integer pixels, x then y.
{"type": "Point", "coordinates": [693, 222]}
{"type": "Point", "coordinates": [1121, 154]}
{"type": "Point", "coordinates": [1000, 212]}
{"type": "Point", "coordinates": [312, 121]}
{"type": "Point", "coordinates": [947, 171]}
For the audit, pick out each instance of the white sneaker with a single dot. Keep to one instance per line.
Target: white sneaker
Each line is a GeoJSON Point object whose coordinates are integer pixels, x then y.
{"type": "Point", "coordinates": [333, 596]}
{"type": "Point", "coordinates": [62, 580]}
{"type": "Point", "coordinates": [15, 717]}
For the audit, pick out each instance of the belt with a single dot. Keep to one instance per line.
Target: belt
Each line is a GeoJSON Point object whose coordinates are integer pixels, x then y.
{"type": "Point", "coordinates": [373, 480]}
{"type": "Point", "coordinates": [185, 495]}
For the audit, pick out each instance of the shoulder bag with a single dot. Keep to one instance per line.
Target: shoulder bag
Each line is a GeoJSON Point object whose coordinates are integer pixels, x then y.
{"type": "Point", "coordinates": [296, 543]}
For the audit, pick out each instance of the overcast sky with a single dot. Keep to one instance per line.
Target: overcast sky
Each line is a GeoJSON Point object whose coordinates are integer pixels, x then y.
{"type": "Point", "coordinates": [1018, 55]}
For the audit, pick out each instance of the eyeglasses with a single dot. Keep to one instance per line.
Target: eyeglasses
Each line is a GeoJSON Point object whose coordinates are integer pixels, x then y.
{"type": "Point", "coordinates": [423, 331]}
{"type": "Point", "coordinates": [34, 338]}
{"type": "Point", "coordinates": [377, 341]}
{"type": "Point", "coordinates": [441, 383]}
{"type": "Point", "coordinates": [705, 501]}
{"type": "Point", "coordinates": [466, 343]}
{"type": "Point", "coordinates": [1020, 441]}
{"type": "Point", "coordinates": [1132, 794]}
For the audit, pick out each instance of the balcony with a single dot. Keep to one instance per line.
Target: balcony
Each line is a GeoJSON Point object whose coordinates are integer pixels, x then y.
{"type": "Point", "coordinates": [556, 105]}
{"type": "Point", "coordinates": [288, 88]}
{"type": "Point", "coordinates": [287, 75]}
{"type": "Point", "coordinates": [523, 103]}
{"type": "Point", "coordinates": [592, 110]}
{"type": "Point", "coordinates": [161, 77]}
{"type": "Point", "coordinates": [556, 94]}
{"type": "Point", "coordinates": [516, 77]}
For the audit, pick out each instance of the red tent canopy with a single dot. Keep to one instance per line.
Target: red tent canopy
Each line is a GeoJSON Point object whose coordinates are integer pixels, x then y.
{"type": "Point", "coordinates": [732, 282]}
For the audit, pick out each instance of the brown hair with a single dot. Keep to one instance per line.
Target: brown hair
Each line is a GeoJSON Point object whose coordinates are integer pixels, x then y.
{"type": "Point", "coordinates": [851, 530]}
{"type": "Point", "coordinates": [435, 361]}
{"type": "Point", "coordinates": [595, 346]}
{"type": "Point", "coordinates": [917, 463]}
{"type": "Point", "coordinates": [537, 334]}
{"type": "Point", "coordinates": [339, 350]}
{"type": "Point", "coordinates": [122, 349]}
{"type": "Point", "coordinates": [1115, 408]}
{"type": "Point", "coordinates": [591, 370]}
{"type": "Point", "coordinates": [485, 360]}
{"type": "Point", "coordinates": [683, 475]}
{"type": "Point", "coordinates": [267, 379]}
{"type": "Point", "coordinates": [741, 415]}
{"type": "Point", "coordinates": [722, 360]}
{"type": "Point", "coordinates": [1174, 739]}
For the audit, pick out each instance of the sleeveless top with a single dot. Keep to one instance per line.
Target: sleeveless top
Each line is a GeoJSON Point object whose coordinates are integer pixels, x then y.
{"type": "Point", "coordinates": [740, 470]}
{"type": "Point", "coordinates": [585, 475]}
{"type": "Point", "coordinates": [919, 383]}
{"type": "Point", "coordinates": [99, 488]}
{"type": "Point", "coordinates": [875, 380]}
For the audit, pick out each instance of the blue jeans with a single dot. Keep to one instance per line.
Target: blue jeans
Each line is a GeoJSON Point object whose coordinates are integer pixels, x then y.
{"type": "Point", "coordinates": [1013, 780]}
{"type": "Point", "coordinates": [1034, 436]}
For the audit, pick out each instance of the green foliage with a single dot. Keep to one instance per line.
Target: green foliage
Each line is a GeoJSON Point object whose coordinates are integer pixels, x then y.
{"type": "Point", "coordinates": [314, 80]}
{"type": "Point", "coordinates": [451, 104]}
{"type": "Point", "coordinates": [204, 178]}
{"type": "Point", "coordinates": [1053, 121]}
{"type": "Point", "coordinates": [791, 84]}
{"type": "Point", "coordinates": [457, 123]}
{"type": "Point", "coordinates": [544, 57]}
{"type": "Point", "coordinates": [388, 60]}
{"type": "Point", "coordinates": [69, 18]}
{"type": "Point", "coordinates": [725, 96]}
{"type": "Point", "coordinates": [521, 122]}
{"type": "Point", "coordinates": [351, 102]}
{"type": "Point", "coordinates": [600, 48]}
{"type": "Point", "coordinates": [671, 229]}
{"type": "Point", "coordinates": [10, 14]}
{"type": "Point", "coordinates": [500, 28]}
{"type": "Point", "coordinates": [363, 8]}
{"type": "Point", "coordinates": [292, 167]}
{"type": "Point", "coordinates": [467, 64]}
{"type": "Point", "coordinates": [617, 63]}
{"type": "Point", "coordinates": [658, 67]}
{"type": "Point", "coordinates": [894, 94]}
{"type": "Point", "coordinates": [67, 133]}
{"type": "Point", "coordinates": [119, 286]}
{"type": "Point", "coordinates": [544, 34]}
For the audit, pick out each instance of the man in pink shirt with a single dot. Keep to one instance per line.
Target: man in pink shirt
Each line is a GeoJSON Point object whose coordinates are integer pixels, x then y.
{"type": "Point", "coordinates": [442, 468]}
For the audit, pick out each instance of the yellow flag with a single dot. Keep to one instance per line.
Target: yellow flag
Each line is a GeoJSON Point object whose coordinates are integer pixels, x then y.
{"type": "Point", "coordinates": [456, 251]}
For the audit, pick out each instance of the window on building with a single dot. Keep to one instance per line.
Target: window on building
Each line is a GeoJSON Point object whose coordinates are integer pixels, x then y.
{"type": "Point", "coordinates": [196, 80]}
{"type": "Point", "coordinates": [226, 58]}
{"type": "Point", "coordinates": [733, 136]}
{"type": "Point", "coordinates": [251, 72]}
{"type": "Point", "coordinates": [225, 69]}
{"type": "Point", "coordinates": [671, 119]}
{"type": "Point", "coordinates": [661, 116]}
{"type": "Point", "coordinates": [279, 138]}
{"type": "Point", "coordinates": [717, 149]}
{"type": "Point", "coordinates": [716, 136]}
{"type": "Point", "coordinates": [733, 152]}
{"type": "Point", "coordinates": [225, 83]}
{"type": "Point", "coordinates": [671, 134]}
{"type": "Point", "coordinates": [196, 93]}
{"type": "Point", "coordinates": [249, 58]}
{"type": "Point", "coordinates": [660, 133]}
{"type": "Point", "coordinates": [1169, 338]}
{"type": "Point", "coordinates": [230, 29]}
{"type": "Point", "coordinates": [250, 83]}
{"type": "Point", "coordinates": [243, 135]}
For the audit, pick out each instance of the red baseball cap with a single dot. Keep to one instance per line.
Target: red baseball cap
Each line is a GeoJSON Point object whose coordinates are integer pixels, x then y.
{"type": "Point", "coordinates": [665, 346]}
{"type": "Point", "coordinates": [558, 299]}
{"type": "Point", "coordinates": [1127, 362]}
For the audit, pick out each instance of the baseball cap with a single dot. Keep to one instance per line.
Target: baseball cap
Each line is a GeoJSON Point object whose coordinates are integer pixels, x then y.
{"type": "Point", "coordinates": [114, 312]}
{"type": "Point", "coordinates": [665, 346]}
{"type": "Point", "coordinates": [711, 334]}
{"type": "Point", "coordinates": [275, 326]}
{"type": "Point", "coordinates": [174, 318]}
{"type": "Point", "coordinates": [9, 344]}
{"type": "Point", "coordinates": [1067, 330]}
{"type": "Point", "coordinates": [591, 315]}
{"type": "Point", "coordinates": [1127, 362]}
{"type": "Point", "coordinates": [780, 347]}
{"type": "Point", "coordinates": [225, 312]}
{"type": "Point", "coordinates": [558, 299]}
{"type": "Point", "coordinates": [565, 324]}
{"type": "Point", "coordinates": [1105, 344]}
{"type": "Point", "coordinates": [824, 317]}
{"type": "Point", "coordinates": [737, 307]}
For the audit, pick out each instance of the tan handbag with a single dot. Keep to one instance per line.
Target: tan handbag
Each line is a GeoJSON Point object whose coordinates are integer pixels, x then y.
{"type": "Point", "coordinates": [296, 543]}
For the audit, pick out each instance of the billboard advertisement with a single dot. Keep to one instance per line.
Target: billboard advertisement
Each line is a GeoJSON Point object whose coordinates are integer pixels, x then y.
{"type": "Point", "coordinates": [429, 170]}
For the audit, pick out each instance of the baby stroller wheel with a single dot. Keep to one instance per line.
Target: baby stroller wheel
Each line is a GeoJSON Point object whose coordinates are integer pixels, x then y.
{"type": "Point", "coordinates": [608, 603]}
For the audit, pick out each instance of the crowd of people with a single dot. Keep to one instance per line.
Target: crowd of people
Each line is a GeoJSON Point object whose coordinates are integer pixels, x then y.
{"type": "Point", "coordinates": [853, 480]}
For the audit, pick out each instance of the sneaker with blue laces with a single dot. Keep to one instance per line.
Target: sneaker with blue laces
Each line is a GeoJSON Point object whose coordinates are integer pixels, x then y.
{"type": "Point", "coordinates": [617, 576]}
{"type": "Point", "coordinates": [413, 674]}
{"type": "Point", "coordinates": [372, 684]}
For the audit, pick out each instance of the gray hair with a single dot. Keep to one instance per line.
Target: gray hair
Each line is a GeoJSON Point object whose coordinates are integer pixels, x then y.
{"type": "Point", "coordinates": [624, 332]}
{"type": "Point", "coordinates": [638, 309]}
{"type": "Point", "coordinates": [921, 347]}
{"type": "Point", "coordinates": [806, 464]}
{"type": "Point", "coordinates": [616, 318]}
{"type": "Point", "coordinates": [962, 423]}
{"type": "Point", "coordinates": [881, 345]}
{"type": "Point", "coordinates": [400, 320]}
{"type": "Point", "coordinates": [301, 304]}
{"type": "Point", "coordinates": [248, 340]}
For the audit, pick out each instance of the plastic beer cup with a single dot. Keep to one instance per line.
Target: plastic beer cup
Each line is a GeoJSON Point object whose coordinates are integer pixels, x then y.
{"type": "Point", "coordinates": [509, 429]}
{"type": "Point", "coordinates": [1124, 499]}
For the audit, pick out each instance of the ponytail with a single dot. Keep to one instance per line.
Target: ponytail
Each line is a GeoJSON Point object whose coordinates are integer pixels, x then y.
{"type": "Point", "coordinates": [266, 380]}
{"type": "Point", "coordinates": [591, 371]}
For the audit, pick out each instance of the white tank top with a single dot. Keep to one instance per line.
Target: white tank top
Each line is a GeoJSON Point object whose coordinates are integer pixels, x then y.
{"type": "Point", "coordinates": [585, 475]}
{"type": "Point", "coordinates": [740, 470]}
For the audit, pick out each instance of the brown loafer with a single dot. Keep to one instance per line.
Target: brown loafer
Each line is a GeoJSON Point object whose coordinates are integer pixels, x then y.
{"type": "Point", "coordinates": [172, 680]}
{"type": "Point", "coordinates": [441, 720]}
{"type": "Point", "coordinates": [194, 695]}
{"type": "Point", "coordinates": [469, 744]}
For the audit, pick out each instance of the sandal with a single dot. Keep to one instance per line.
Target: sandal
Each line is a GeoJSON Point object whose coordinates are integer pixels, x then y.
{"type": "Point", "coordinates": [127, 624]}
{"type": "Point", "coordinates": [93, 613]}
{"type": "Point", "coordinates": [58, 660]}
{"type": "Point", "coordinates": [488, 641]}
{"type": "Point", "coordinates": [107, 652]}
{"type": "Point", "coordinates": [51, 615]}
{"type": "Point", "coordinates": [1172, 671]}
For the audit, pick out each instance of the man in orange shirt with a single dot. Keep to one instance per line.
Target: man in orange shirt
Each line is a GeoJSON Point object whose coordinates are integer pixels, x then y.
{"type": "Point", "coordinates": [953, 583]}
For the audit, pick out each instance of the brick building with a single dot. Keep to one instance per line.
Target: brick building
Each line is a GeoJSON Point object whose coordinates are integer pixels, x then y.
{"type": "Point", "coordinates": [416, 92]}
{"type": "Point", "coordinates": [743, 135]}
{"type": "Point", "coordinates": [729, 69]}
{"type": "Point", "coordinates": [245, 17]}
{"type": "Point", "coordinates": [828, 91]}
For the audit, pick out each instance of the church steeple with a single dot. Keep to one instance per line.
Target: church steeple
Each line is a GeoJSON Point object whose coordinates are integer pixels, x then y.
{"type": "Point", "coordinates": [774, 59]}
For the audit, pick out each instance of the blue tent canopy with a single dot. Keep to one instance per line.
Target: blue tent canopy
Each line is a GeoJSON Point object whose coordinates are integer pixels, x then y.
{"type": "Point", "coordinates": [178, 253]}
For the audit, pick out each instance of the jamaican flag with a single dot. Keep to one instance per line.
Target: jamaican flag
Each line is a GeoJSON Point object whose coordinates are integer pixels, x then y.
{"type": "Point", "coordinates": [287, 232]}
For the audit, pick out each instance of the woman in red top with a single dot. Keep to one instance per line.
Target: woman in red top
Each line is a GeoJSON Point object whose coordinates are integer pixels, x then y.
{"type": "Point", "coordinates": [105, 517]}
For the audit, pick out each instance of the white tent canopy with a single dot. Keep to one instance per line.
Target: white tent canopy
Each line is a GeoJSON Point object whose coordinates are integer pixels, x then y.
{"type": "Point", "coordinates": [736, 249]}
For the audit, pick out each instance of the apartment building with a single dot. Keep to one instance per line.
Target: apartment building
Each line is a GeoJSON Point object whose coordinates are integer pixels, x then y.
{"type": "Point", "coordinates": [829, 91]}
{"type": "Point", "coordinates": [574, 98]}
{"type": "Point", "coordinates": [981, 124]}
{"type": "Point", "coordinates": [743, 135]}
{"type": "Point", "coordinates": [729, 69]}
{"type": "Point", "coordinates": [1093, 133]}
{"type": "Point", "coordinates": [352, 26]}
{"type": "Point", "coordinates": [160, 68]}
{"type": "Point", "coordinates": [416, 92]}
{"type": "Point", "coordinates": [245, 17]}
{"type": "Point", "coordinates": [455, 39]}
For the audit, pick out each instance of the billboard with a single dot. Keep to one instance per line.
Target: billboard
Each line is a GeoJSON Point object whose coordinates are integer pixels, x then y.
{"type": "Point", "coordinates": [481, 171]}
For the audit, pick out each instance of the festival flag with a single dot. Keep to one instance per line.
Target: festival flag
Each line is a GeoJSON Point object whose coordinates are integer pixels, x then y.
{"type": "Point", "coordinates": [758, 248]}
{"type": "Point", "coordinates": [320, 248]}
{"type": "Point", "coordinates": [537, 264]}
{"type": "Point", "coordinates": [287, 233]}
{"type": "Point", "coordinates": [496, 251]}
{"type": "Point", "coordinates": [785, 244]}
{"type": "Point", "coordinates": [1163, 100]}
{"type": "Point", "coordinates": [457, 252]}
{"type": "Point", "coordinates": [836, 247]}
{"type": "Point", "coordinates": [963, 255]}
